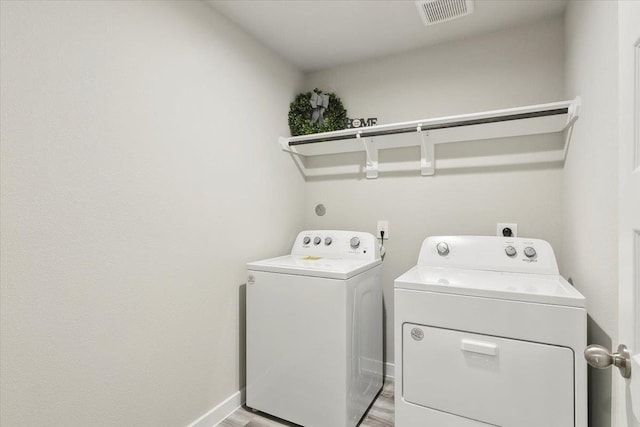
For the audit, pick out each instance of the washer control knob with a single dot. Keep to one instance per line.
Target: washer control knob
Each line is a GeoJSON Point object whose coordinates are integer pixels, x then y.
{"type": "Point", "coordinates": [317, 240]}
{"type": "Point", "coordinates": [306, 240]}
{"type": "Point", "coordinates": [355, 243]}
{"type": "Point", "coordinates": [443, 248]}
{"type": "Point", "coordinates": [510, 251]}
{"type": "Point", "coordinates": [328, 241]}
{"type": "Point", "coordinates": [529, 252]}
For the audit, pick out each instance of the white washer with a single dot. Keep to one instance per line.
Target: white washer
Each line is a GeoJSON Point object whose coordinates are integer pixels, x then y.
{"type": "Point", "coordinates": [314, 330]}
{"type": "Point", "coordinates": [487, 333]}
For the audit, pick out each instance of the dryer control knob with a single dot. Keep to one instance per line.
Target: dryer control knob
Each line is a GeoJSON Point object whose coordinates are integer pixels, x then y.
{"type": "Point", "coordinates": [443, 248]}
{"type": "Point", "coordinates": [510, 251]}
{"type": "Point", "coordinates": [328, 241]}
{"type": "Point", "coordinates": [317, 240]}
{"type": "Point", "coordinates": [306, 240]}
{"type": "Point", "coordinates": [529, 252]}
{"type": "Point", "coordinates": [355, 242]}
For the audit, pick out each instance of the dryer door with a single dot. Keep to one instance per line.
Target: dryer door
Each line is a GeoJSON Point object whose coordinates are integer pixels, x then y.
{"type": "Point", "coordinates": [504, 382]}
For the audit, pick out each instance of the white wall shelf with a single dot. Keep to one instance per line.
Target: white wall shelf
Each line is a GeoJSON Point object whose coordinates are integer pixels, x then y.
{"type": "Point", "coordinates": [556, 117]}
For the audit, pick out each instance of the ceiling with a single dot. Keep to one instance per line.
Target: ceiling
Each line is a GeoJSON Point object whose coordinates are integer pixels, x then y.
{"type": "Point", "coordinates": [315, 34]}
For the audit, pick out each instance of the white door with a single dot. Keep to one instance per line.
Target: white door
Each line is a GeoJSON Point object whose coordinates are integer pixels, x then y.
{"type": "Point", "coordinates": [628, 397]}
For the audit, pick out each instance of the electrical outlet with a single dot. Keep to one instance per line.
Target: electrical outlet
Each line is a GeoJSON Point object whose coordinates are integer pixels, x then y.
{"type": "Point", "coordinates": [502, 229]}
{"type": "Point", "coordinates": [383, 225]}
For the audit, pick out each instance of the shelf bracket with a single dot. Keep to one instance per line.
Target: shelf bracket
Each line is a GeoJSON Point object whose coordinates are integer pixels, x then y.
{"type": "Point", "coordinates": [371, 166]}
{"type": "Point", "coordinates": [284, 144]}
{"type": "Point", "coordinates": [427, 153]}
{"type": "Point", "coordinates": [574, 113]}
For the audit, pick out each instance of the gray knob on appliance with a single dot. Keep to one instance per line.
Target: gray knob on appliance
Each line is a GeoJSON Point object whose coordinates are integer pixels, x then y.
{"type": "Point", "coordinates": [529, 252]}
{"type": "Point", "coordinates": [328, 241]}
{"type": "Point", "coordinates": [306, 240]}
{"type": "Point", "coordinates": [510, 251]}
{"type": "Point", "coordinates": [317, 240]}
{"type": "Point", "coordinates": [442, 248]}
{"type": "Point", "coordinates": [355, 242]}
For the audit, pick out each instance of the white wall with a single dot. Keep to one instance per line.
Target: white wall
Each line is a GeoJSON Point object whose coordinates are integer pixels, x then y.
{"type": "Point", "coordinates": [139, 173]}
{"type": "Point", "coordinates": [589, 255]}
{"type": "Point", "coordinates": [514, 67]}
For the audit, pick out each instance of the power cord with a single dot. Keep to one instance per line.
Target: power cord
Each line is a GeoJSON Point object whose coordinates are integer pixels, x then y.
{"type": "Point", "coordinates": [382, 249]}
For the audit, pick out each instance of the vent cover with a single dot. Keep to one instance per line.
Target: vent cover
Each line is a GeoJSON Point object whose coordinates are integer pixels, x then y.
{"type": "Point", "coordinates": [437, 11]}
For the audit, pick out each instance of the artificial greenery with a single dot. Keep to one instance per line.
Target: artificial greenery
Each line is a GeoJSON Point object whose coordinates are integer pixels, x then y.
{"type": "Point", "coordinates": [335, 116]}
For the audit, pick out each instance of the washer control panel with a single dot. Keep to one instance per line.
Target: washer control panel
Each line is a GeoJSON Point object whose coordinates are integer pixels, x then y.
{"type": "Point", "coordinates": [510, 254]}
{"type": "Point", "coordinates": [336, 244]}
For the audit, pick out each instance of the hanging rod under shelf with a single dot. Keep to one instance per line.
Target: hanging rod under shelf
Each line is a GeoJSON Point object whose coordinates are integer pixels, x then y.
{"type": "Point", "coordinates": [512, 122]}
{"type": "Point", "coordinates": [367, 134]}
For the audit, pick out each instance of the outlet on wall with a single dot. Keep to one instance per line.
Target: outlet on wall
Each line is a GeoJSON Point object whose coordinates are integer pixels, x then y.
{"type": "Point", "coordinates": [507, 229]}
{"type": "Point", "coordinates": [383, 225]}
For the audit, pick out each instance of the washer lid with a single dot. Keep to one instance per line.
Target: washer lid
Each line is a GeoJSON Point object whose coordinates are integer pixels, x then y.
{"type": "Point", "coordinates": [540, 288]}
{"type": "Point", "coordinates": [330, 268]}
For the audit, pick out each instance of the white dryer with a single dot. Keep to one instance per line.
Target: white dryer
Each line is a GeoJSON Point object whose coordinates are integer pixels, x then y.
{"type": "Point", "coordinates": [314, 330]}
{"type": "Point", "coordinates": [487, 333]}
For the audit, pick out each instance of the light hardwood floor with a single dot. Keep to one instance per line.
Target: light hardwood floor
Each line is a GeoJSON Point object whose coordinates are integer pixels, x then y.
{"type": "Point", "coordinates": [379, 415]}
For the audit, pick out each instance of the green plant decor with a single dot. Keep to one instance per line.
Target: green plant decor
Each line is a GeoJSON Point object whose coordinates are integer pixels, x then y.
{"type": "Point", "coordinates": [315, 112]}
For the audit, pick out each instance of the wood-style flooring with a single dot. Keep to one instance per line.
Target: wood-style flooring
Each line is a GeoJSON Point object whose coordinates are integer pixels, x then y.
{"type": "Point", "coordinates": [380, 414]}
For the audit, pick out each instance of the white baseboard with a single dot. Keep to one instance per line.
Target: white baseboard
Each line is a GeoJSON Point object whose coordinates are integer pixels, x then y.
{"type": "Point", "coordinates": [389, 370]}
{"type": "Point", "coordinates": [214, 416]}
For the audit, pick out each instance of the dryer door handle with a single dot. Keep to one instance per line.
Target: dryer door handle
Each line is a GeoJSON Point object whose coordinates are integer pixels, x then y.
{"type": "Point", "coordinates": [482, 347]}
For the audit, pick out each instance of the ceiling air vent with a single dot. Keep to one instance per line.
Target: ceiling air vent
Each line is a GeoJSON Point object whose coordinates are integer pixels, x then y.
{"type": "Point", "coordinates": [437, 11]}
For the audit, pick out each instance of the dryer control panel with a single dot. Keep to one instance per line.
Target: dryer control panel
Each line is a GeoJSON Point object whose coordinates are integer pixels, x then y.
{"type": "Point", "coordinates": [336, 244]}
{"type": "Point", "coordinates": [509, 254]}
